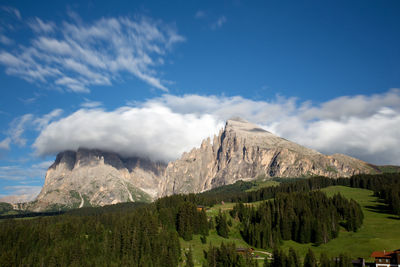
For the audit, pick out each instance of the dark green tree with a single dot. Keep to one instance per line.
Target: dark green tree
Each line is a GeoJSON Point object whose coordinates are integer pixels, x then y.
{"type": "Point", "coordinates": [324, 261]}
{"type": "Point", "coordinates": [310, 260]}
{"type": "Point", "coordinates": [189, 258]}
{"type": "Point", "coordinates": [221, 224]}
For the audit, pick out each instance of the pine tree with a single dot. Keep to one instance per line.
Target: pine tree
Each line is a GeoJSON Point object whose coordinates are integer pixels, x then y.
{"type": "Point", "coordinates": [324, 261]}
{"type": "Point", "coordinates": [310, 260]}
{"type": "Point", "coordinates": [293, 257]}
{"type": "Point", "coordinates": [189, 258]}
{"type": "Point", "coordinates": [221, 225]}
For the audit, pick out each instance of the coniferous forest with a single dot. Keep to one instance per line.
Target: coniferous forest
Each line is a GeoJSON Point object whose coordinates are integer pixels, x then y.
{"type": "Point", "coordinates": [302, 217]}
{"type": "Point", "coordinates": [138, 234]}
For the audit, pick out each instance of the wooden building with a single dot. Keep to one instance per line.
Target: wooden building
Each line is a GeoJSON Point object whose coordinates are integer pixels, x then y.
{"type": "Point", "coordinates": [243, 251]}
{"type": "Point", "coordinates": [386, 258]}
{"type": "Point", "coordinates": [200, 208]}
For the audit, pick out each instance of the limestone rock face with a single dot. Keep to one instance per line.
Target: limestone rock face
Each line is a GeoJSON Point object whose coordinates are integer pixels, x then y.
{"type": "Point", "coordinates": [241, 151]}
{"type": "Point", "coordinates": [244, 151]}
{"type": "Point", "coordinates": [97, 178]}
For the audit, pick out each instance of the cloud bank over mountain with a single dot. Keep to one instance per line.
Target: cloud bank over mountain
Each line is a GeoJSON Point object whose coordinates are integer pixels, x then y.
{"type": "Point", "coordinates": [152, 131]}
{"type": "Point", "coordinates": [163, 128]}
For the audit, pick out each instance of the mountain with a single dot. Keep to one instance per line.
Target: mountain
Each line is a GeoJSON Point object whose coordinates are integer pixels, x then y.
{"type": "Point", "coordinates": [241, 151]}
{"type": "Point", "coordinates": [244, 151]}
{"type": "Point", "coordinates": [90, 177]}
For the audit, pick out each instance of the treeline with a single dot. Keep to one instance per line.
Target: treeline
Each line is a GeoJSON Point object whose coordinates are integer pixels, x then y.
{"type": "Point", "coordinates": [302, 217]}
{"type": "Point", "coordinates": [227, 255]}
{"type": "Point", "coordinates": [136, 238]}
{"type": "Point", "coordinates": [286, 186]}
{"type": "Point", "coordinates": [180, 213]}
{"type": "Point", "coordinates": [118, 235]}
{"type": "Point", "coordinates": [385, 186]}
{"type": "Point", "coordinates": [292, 259]}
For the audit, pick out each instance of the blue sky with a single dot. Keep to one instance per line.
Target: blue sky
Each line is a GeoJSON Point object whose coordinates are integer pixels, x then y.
{"type": "Point", "coordinates": [153, 78]}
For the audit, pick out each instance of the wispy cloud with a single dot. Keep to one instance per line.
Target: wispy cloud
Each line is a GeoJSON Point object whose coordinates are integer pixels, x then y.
{"type": "Point", "coordinates": [162, 128]}
{"type": "Point", "coordinates": [30, 100]}
{"type": "Point", "coordinates": [20, 193]}
{"type": "Point", "coordinates": [200, 14]}
{"type": "Point", "coordinates": [19, 125]}
{"type": "Point", "coordinates": [13, 11]}
{"type": "Point", "coordinates": [91, 104]}
{"type": "Point", "coordinates": [20, 172]}
{"type": "Point", "coordinates": [39, 26]}
{"type": "Point", "coordinates": [5, 40]}
{"type": "Point", "coordinates": [44, 120]}
{"type": "Point", "coordinates": [218, 24]}
{"type": "Point", "coordinates": [80, 55]}
{"type": "Point", "coordinates": [5, 143]}
{"type": "Point", "coordinates": [17, 129]}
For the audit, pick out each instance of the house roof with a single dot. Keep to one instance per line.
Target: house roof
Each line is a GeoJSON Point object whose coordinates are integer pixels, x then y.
{"type": "Point", "coordinates": [381, 254]}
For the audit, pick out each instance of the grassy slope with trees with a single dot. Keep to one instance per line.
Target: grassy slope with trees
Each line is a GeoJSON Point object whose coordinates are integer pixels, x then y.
{"type": "Point", "coordinates": [380, 229]}
{"type": "Point", "coordinates": [371, 236]}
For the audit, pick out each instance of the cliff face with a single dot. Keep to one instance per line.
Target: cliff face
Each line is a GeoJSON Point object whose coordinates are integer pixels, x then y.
{"type": "Point", "coordinates": [97, 178]}
{"type": "Point", "coordinates": [241, 151]}
{"type": "Point", "coordinates": [245, 151]}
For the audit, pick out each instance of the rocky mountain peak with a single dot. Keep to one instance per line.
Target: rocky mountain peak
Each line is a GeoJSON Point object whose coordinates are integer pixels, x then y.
{"type": "Point", "coordinates": [241, 151]}
{"type": "Point", "coordinates": [244, 151]}
{"type": "Point", "coordinates": [240, 125]}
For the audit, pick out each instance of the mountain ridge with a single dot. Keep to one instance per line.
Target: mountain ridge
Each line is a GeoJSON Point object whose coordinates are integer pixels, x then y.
{"type": "Point", "coordinates": [241, 151]}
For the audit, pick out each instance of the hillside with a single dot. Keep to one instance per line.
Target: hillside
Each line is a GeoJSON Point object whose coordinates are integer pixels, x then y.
{"type": "Point", "coordinates": [372, 235]}
{"type": "Point", "coordinates": [111, 229]}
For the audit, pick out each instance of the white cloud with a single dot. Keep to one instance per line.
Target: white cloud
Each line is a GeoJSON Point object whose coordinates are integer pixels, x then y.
{"type": "Point", "coordinates": [218, 24]}
{"type": "Point", "coordinates": [152, 131]}
{"type": "Point", "coordinates": [366, 127]}
{"type": "Point", "coordinates": [18, 126]}
{"type": "Point", "coordinates": [43, 121]}
{"type": "Point", "coordinates": [79, 55]}
{"type": "Point", "coordinates": [40, 26]}
{"type": "Point", "coordinates": [5, 144]}
{"type": "Point", "coordinates": [91, 104]}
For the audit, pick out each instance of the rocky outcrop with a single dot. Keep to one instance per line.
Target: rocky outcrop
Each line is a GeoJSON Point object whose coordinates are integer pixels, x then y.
{"type": "Point", "coordinates": [97, 178]}
{"type": "Point", "coordinates": [241, 151]}
{"type": "Point", "coordinates": [244, 151]}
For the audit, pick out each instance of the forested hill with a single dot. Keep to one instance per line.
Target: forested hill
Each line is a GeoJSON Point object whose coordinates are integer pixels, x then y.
{"type": "Point", "coordinates": [152, 234]}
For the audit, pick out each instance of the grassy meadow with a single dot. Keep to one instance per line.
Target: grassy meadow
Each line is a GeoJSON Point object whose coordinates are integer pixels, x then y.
{"type": "Point", "coordinates": [380, 230]}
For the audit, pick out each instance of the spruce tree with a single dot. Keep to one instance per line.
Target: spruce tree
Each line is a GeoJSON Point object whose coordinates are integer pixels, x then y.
{"type": "Point", "coordinates": [324, 261]}
{"type": "Point", "coordinates": [221, 225]}
{"type": "Point", "coordinates": [310, 260]}
{"type": "Point", "coordinates": [293, 257]}
{"type": "Point", "coordinates": [189, 258]}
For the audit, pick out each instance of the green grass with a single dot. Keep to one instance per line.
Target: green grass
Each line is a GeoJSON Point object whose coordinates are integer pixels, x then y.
{"type": "Point", "coordinates": [262, 183]}
{"type": "Point", "coordinates": [380, 230]}
{"type": "Point", "coordinates": [389, 168]}
{"type": "Point", "coordinates": [214, 238]}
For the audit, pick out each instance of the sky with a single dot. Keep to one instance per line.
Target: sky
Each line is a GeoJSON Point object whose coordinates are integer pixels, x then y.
{"type": "Point", "coordinates": [154, 78]}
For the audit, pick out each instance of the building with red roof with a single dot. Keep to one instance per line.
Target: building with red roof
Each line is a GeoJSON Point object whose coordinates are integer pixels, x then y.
{"type": "Point", "coordinates": [386, 258]}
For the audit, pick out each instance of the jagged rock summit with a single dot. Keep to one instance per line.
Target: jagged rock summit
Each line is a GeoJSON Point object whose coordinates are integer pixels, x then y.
{"type": "Point", "coordinates": [241, 151]}
{"type": "Point", "coordinates": [244, 151]}
{"type": "Point", "coordinates": [90, 177]}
